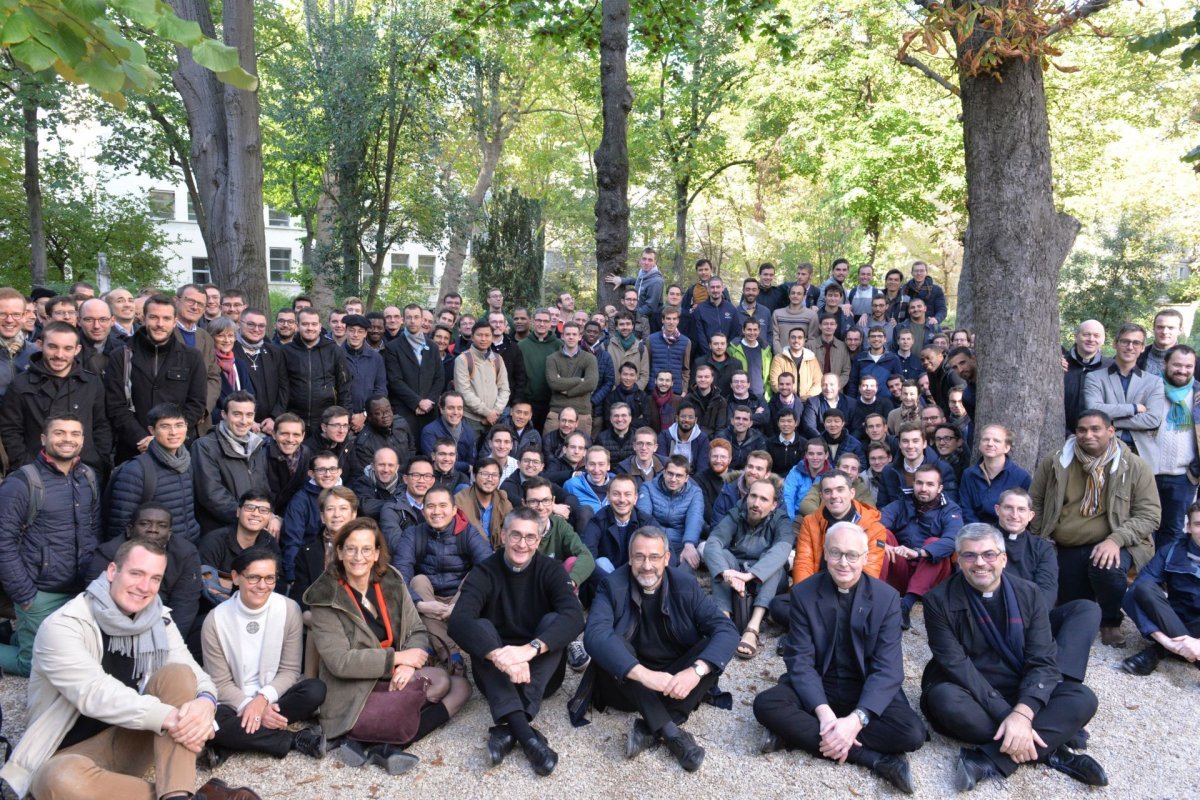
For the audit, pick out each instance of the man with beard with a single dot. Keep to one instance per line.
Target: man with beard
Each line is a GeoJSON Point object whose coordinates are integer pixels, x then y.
{"type": "Point", "coordinates": [1097, 502]}
{"type": "Point", "coordinates": [285, 327]}
{"type": "Point", "coordinates": [383, 429]}
{"type": "Point", "coordinates": [747, 553]}
{"type": "Point", "coordinates": [154, 368]}
{"type": "Point", "coordinates": [228, 462]}
{"type": "Point", "coordinates": [842, 696]}
{"type": "Point", "coordinates": [993, 681]}
{"type": "Point", "coordinates": [377, 331]}
{"type": "Point", "coordinates": [658, 645]}
{"type": "Point", "coordinates": [684, 438]}
{"type": "Point", "coordinates": [55, 384]}
{"type": "Point", "coordinates": [1171, 451]}
{"type": "Point", "coordinates": [266, 368]}
{"type": "Point", "coordinates": [414, 373]}
{"type": "Point", "coordinates": [716, 315]}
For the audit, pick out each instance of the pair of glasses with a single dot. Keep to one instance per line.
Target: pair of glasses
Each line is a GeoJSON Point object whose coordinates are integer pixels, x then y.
{"type": "Point", "coordinates": [257, 509]}
{"type": "Point", "coordinates": [529, 538]}
{"type": "Point", "coordinates": [653, 558]}
{"type": "Point", "coordinates": [835, 556]}
{"type": "Point", "coordinates": [255, 580]}
{"type": "Point", "coordinates": [355, 552]}
{"type": "Point", "coordinates": [987, 556]}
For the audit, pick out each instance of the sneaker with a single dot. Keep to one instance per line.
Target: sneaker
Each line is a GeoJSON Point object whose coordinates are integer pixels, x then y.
{"type": "Point", "coordinates": [577, 656]}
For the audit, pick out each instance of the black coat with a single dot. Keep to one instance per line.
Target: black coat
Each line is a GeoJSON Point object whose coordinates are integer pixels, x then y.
{"type": "Point", "coordinates": [144, 374]}
{"type": "Point", "coordinates": [369, 440]}
{"type": "Point", "coordinates": [317, 378]}
{"type": "Point", "coordinates": [963, 656]}
{"type": "Point", "coordinates": [282, 483]}
{"type": "Point", "coordinates": [268, 380]}
{"type": "Point", "coordinates": [514, 361]}
{"type": "Point", "coordinates": [811, 642]}
{"type": "Point", "coordinates": [409, 382]}
{"type": "Point", "coordinates": [35, 395]}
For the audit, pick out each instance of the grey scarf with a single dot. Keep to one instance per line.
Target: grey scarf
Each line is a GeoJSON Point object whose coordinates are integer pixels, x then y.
{"type": "Point", "coordinates": [417, 343]}
{"type": "Point", "coordinates": [244, 448]}
{"type": "Point", "coordinates": [252, 350]}
{"type": "Point", "coordinates": [142, 637]}
{"type": "Point", "coordinates": [181, 462]}
{"type": "Point", "coordinates": [455, 431]}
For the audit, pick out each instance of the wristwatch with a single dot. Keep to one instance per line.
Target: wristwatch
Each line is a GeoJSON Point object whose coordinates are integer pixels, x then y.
{"type": "Point", "coordinates": [863, 717]}
{"type": "Point", "coordinates": [538, 646]}
{"type": "Point", "coordinates": [701, 668]}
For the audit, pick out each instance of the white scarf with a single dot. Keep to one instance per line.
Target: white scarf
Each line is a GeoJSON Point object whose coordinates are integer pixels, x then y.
{"type": "Point", "coordinates": [273, 619]}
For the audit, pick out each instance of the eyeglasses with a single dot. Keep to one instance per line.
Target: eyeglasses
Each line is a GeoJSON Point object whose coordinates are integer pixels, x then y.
{"type": "Point", "coordinates": [94, 320]}
{"type": "Point", "coordinates": [420, 476]}
{"type": "Point", "coordinates": [850, 557]}
{"type": "Point", "coordinates": [325, 470]}
{"type": "Point", "coordinates": [355, 552]}
{"type": "Point", "coordinates": [488, 474]}
{"type": "Point", "coordinates": [337, 426]}
{"type": "Point", "coordinates": [945, 439]}
{"type": "Point", "coordinates": [256, 508]}
{"type": "Point", "coordinates": [193, 303]}
{"type": "Point", "coordinates": [1130, 343]}
{"type": "Point", "coordinates": [989, 556]}
{"type": "Point", "coordinates": [255, 580]}
{"type": "Point", "coordinates": [539, 501]}
{"type": "Point", "coordinates": [528, 538]}
{"type": "Point", "coordinates": [255, 326]}
{"type": "Point", "coordinates": [12, 316]}
{"type": "Point", "coordinates": [653, 558]}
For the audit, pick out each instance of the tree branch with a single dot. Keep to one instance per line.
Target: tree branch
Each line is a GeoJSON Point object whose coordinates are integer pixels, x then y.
{"type": "Point", "coordinates": [930, 73]}
{"type": "Point", "coordinates": [704, 184]}
{"type": "Point", "coordinates": [1084, 9]}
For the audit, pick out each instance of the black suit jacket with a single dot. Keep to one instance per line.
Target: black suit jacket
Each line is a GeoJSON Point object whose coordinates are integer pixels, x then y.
{"type": "Point", "coordinates": [409, 382]}
{"type": "Point", "coordinates": [962, 655]}
{"type": "Point", "coordinates": [875, 628]}
{"type": "Point", "coordinates": [269, 380]}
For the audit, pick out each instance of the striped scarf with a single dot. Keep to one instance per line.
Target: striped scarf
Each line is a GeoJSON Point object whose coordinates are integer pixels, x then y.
{"type": "Point", "coordinates": [1094, 468]}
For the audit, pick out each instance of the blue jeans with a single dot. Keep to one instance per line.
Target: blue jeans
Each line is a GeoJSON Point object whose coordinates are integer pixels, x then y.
{"type": "Point", "coordinates": [1175, 493]}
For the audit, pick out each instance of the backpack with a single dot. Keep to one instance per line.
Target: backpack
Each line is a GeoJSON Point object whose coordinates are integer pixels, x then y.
{"type": "Point", "coordinates": [149, 479]}
{"type": "Point", "coordinates": [471, 364]}
{"type": "Point", "coordinates": [37, 490]}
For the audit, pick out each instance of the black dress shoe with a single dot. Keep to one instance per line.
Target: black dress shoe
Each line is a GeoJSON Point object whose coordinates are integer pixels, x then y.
{"type": "Point", "coordinates": [211, 757]}
{"type": "Point", "coordinates": [500, 743]}
{"type": "Point", "coordinates": [541, 757]}
{"type": "Point", "coordinates": [1082, 768]}
{"type": "Point", "coordinates": [771, 742]}
{"type": "Point", "coordinates": [310, 742]}
{"type": "Point", "coordinates": [905, 617]}
{"type": "Point", "coordinates": [973, 766]}
{"type": "Point", "coordinates": [1144, 662]}
{"type": "Point", "coordinates": [1079, 741]}
{"type": "Point", "coordinates": [689, 754]}
{"type": "Point", "coordinates": [894, 769]}
{"type": "Point", "coordinates": [641, 738]}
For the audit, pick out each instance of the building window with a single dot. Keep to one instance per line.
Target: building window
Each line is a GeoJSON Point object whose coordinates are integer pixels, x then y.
{"type": "Point", "coordinates": [399, 261]}
{"type": "Point", "coordinates": [191, 209]}
{"type": "Point", "coordinates": [280, 265]}
{"type": "Point", "coordinates": [278, 218]}
{"type": "Point", "coordinates": [426, 266]}
{"type": "Point", "coordinates": [201, 274]}
{"type": "Point", "coordinates": [162, 203]}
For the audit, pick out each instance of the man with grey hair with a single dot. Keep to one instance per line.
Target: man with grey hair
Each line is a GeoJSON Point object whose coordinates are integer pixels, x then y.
{"type": "Point", "coordinates": [658, 644]}
{"type": "Point", "coordinates": [842, 696]}
{"type": "Point", "coordinates": [994, 680]}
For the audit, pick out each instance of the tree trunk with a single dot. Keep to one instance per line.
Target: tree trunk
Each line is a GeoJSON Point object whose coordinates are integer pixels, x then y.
{"type": "Point", "coordinates": [612, 156]}
{"type": "Point", "coordinates": [325, 268]}
{"type": "Point", "coordinates": [226, 153]}
{"type": "Point", "coordinates": [1017, 244]}
{"type": "Point", "coordinates": [681, 217]}
{"type": "Point", "coordinates": [462, 234]}
{"type": "Point", "coordinates": [33, 193]}
{"type": "Point", "coordinates": [964, 308]}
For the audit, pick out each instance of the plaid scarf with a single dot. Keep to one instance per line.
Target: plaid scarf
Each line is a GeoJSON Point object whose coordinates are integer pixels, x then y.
{"type": "Point", "coordinates": [1009, 644]}
{"type": "Point", "coordinates": [1094, 468]}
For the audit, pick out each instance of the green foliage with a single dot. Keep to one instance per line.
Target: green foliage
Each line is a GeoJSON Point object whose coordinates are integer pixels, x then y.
{"type": "Point", "coordinates": [509, 254]}
{"type": "Point", "coordinates": [1121, 280]}
{"type": "Point", "coordinates": [88, 42]}
{"type": "Point", "coordinates": [1161, 41]}
{"type": "Point", "coordinates": [401, 287]}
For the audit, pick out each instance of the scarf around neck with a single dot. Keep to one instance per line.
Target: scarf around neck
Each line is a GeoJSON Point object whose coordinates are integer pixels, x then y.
{"type": "Point", "coordinates": [225, 362]}
{"type": "Point", "coordinates": [1008, 643]}
{"type": "Point", "coordinates": [181, 462]}
{"type": "Point", "coordinates": [13, 345]}
{"type": "Point", "coordinates": [1096, 471]}
{"type": "Point", "coordinates": [626, 343]}
{"type": "Point", "coordinates": [1179, 413]}
{"type": "Point", "coordinates": [142, 638]}
{"type": "Point", "coordinates": [251, 350]}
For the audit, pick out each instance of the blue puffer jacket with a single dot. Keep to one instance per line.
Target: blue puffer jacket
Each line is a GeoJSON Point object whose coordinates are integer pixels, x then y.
{"type": "Point", "coordinates": [368, 376]}
{"type": "Point", "coordinates": [606, 377]}
{"type": "Point", "coordinates": [681, 514]}
{"type": "Point", "coordinates": [1172, 569]}
{"type": "Point", "coordinates": [442, 562]}
{"type": "Point", "coordinates": [912, 529]}
{"type": "Point", "coordinates": [582, 489]}
{"type": "Point", "coordinates": [53, 553]}
{"type": "Point", "coordinates": [301, 522]}
{"type": "Point", "coordinates": [173, 489]}
{"type": "Point", "coordinates": [669, 357]}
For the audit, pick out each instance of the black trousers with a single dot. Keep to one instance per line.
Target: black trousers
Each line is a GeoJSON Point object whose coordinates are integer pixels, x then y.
{"type": "Point", "coordinates": [779, 610]}
{"type": "Point", "coordinates": [505, 697]}
{"type": "Point", "coordinates": [655, 709]}
{"type": "Point", "coordinates": [954, 713]}
{"type": "Point", "coordinates": [297, 703]}
{"type": "Point", "coordinates": [1074, 626]}
{"type": "Point", "coordinates": [1079, 579]}
{"type": "Point", "coordinates": [1155, 604]}
{"type": "Point", "coordinates": [897, 730]}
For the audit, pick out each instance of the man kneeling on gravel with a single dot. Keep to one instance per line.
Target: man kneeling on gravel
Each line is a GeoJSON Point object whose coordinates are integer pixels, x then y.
{"type": "Point", "coordinates": [658, 644]}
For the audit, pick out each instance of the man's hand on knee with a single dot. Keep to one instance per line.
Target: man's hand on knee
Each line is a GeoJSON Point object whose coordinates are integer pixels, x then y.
{"type": "Point", "coordinates": [192, 724]}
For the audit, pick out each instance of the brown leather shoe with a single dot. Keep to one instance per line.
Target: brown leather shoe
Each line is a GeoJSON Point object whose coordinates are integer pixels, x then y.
{"type": "Point", "coordinates": [1111, 635]}
{"type": "Point", "coordinates": [217, 789]}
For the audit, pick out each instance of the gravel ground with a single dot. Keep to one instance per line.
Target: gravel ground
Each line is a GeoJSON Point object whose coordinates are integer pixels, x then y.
{"type": "Point", "coordinates": [1146, 734]}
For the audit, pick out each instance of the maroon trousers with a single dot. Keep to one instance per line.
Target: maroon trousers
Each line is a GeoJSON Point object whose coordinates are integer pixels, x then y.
{"type": "Point", "coordinates": [915, 576]}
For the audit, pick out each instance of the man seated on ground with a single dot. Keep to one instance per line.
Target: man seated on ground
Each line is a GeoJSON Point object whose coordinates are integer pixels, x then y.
{"type": "Point", "coordinates": [559, 539]}
{"type": "Point", "coordinates": [913, 453]}
{"type": "Point", "coordinates": [742, 436]}
{"type": "Point", "coordinates": [850, 464]}
{"type": "Point", "coordinates": [606, 535]}
{"type": "Point", "coordinates": [676, 505]}
{"type": "Point", "coordinates": [482, 502]}
{"type": "Point", "coordinates": [450, 425]}
{"type": "Point", "coordinates": [747, 554]}
{"type": "Point", "coordinates": [404, 511]}
{"type": "Point", "coordinates": [1098, 503]}
{"type": "Point", "coordinates": [1074, 625]}
{"type": "Point", "coordinates": [787, 446]}
{"type": "Point", "coordinates": [591, 487]}
{"type": "Point", "coordinates": [685, 438]}
{"type": "Point", "coordinates": [806, 473]}
{"type": "Point", "coordinates": [515, 615]}
{"type": "Point", "coordinates": [1170, 619]}
{"type": "Point", "coordinates": [111, 675]}
{"type": "Point", "coordinates": [445, 469]}
{"type": "Point", "coordinates": [993, 681]}
{"type": "Point", "coordinates": [219, 548]}
{"type": "Point", "coordinates": [842, 696]}
{"type": "Point", "coordinates": [737, 487]}
{"type": "Point", "coordinates": [383, 428]}
{"type": "Point", "coordinates": [922, 526]}
{"type": "Point", "coordinates": [658, 644]}
{"type": "Point", "coordinates": [617, 437]}
{"type": "Point", "coordinates": [379, 483]}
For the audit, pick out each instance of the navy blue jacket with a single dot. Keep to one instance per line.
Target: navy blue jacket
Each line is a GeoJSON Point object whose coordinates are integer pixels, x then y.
{"type": "Point", "coordinates": [441, 563]}
{"type": "Point", "coordinates": [368, 377]}
{"type": "Point", "coordinates": [710, 319]}
{"type": "Point", "coordinates": [601, 538]}
{"type": "Point", "coordinates": [912, 529]}
{"type": "Point", "coordinates": [891, 485]}
{"type": "Point", "coordinates": [53, 553]}
{"type": "Point", "coordinates": [466, 443]}
{"type": "Point", "coordinates": [675, 358]}
{"type": "Point", "coordinates": [173, 489]}
{"type": "Point", "coordinates": [1172, 569]}
{"type": "Point", "coordinates": [979, 498]}
{"type": "Point", "coordinates": [813, 422]}
{"type": "Point", "coordinates": [863, 366]}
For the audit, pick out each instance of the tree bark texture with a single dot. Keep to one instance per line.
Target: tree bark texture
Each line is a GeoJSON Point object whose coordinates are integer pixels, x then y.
{"type": "Point", "coordinates": [1016, 246]}
{"type": "Point", "coordinates": [33, 194]}
{"type": "Point", "coordinates": [612, 156]}
{"type": "Point", "coordinates": [226, 152]}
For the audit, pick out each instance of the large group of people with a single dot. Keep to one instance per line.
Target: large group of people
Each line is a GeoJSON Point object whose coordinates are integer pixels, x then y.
{"type": "Point", "coordinates": [213, 540]}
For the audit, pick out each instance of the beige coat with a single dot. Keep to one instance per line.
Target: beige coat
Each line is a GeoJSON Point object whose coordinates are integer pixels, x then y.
{"type": "Point", "coordinates": [290, 660]}
{"type": "Point", "coordinates": [468, 502]}
{"type": "Point", "coordinates": [484, 388]}
{"type": "Point", "coordinates": [807, 373]}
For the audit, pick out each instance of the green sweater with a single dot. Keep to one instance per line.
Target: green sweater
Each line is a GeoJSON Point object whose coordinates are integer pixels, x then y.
{"type": "Point", "coordinates": [562, 542]}
{"type": "Point", "coordinates": [535, 354]}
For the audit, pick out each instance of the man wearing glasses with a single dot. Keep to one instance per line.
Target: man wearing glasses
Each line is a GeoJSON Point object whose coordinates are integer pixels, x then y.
{"type": "Point", "coordinates": [994, 681]}
{"type": "Point", "coordinates": [268, 374]}
{"type": "Point", "coordinates": [404, 510]}
{"type": "Point", "coordinates": [302, 520]}
{"type": "Point", "coordinates": [1131, 397]}
{"type": "Point", "coordinates": [842, 696]}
